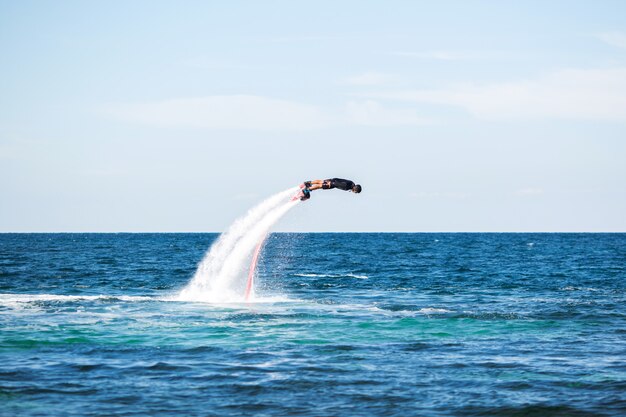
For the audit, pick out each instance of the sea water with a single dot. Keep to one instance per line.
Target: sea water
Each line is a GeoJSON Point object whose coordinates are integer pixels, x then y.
{"type": "Point", "coordinates": [343, 325]}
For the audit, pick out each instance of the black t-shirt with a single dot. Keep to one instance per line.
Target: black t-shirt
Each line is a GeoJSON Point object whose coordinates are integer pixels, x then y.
{"type": "Point", "coordinates": [342, 184]}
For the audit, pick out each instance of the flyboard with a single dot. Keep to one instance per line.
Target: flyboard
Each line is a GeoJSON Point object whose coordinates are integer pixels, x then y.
{"type": "Point", "coordinates": [302, 194]}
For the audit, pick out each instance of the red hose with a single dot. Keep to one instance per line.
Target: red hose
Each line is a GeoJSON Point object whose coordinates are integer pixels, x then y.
{"type": "Point", "coordinates": [252, 270]}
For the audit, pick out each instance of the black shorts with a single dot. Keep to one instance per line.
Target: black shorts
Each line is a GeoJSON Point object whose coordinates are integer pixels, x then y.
{"type": "Point", "coordinates": [345, 185]}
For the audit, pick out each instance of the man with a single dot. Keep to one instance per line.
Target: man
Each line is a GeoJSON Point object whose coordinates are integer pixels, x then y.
{"type": "Point", "coordinates": [328, 184]}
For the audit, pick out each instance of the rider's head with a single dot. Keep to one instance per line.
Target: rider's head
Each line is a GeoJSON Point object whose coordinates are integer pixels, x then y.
{"type": "Point", "coordinates": [356, 189]}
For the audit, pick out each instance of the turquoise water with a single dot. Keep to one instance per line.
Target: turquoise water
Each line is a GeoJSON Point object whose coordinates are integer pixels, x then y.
{"type": "Point", "coordinates": [344, 324]}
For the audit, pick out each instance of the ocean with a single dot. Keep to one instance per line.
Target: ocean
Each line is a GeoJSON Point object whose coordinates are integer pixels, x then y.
{"type": "Point", "coordinates": [341, 324]}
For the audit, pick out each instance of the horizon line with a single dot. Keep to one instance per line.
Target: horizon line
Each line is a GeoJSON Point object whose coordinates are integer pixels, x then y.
{"type": "Point", "coordinates": [312, 232]}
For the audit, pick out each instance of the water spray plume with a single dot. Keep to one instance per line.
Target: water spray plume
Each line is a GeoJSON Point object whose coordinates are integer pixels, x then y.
{"type": "Point", "coordinates": [226, 274]}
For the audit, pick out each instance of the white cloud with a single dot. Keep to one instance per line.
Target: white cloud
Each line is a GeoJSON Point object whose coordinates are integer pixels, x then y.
{"type": "Point", "coordinates": [529, 191]}
{"type": "Point", "coordinates": [370, 78]}
{"type": "Point", "coordinates": [303, 38]}
{"type": "Point", "coordinates": [246, 196]}
{"type": "Point", "coordinates": [17, 147]}
{"type": "Point", "coordinates": [598, 94]}
{"type": "Point", "coordinates": [205, 63]}
{"type": "Point", "coordinates": [102, 172]}
{"type": "Point", "coordinates": [7, 151]}
{"type": "Point", "coordinates": [246, 112]}
{"type": "Point", "coordinates": [372, 113]}
{"type": "Point", "coordinates": [435, 55]}
{"type": "Point", "coordinates": [617, 39]}
{"type": "Point", "coordinates": [431, 195]}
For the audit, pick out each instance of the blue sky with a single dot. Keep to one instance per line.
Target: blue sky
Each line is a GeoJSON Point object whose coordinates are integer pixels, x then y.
{"type": "Point", "coordinates": [179, 116]}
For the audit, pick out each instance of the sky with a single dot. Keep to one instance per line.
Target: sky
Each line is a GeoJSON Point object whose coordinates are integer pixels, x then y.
{"type": "Point", "coordinates": [179, 116]}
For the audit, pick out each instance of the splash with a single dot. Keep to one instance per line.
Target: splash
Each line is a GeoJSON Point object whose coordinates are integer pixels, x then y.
{"type": "Point", "coordinates": [224, 274]}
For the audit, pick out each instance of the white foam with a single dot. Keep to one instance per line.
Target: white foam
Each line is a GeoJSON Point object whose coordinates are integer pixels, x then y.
{"type": "Point", "coordinates": [15, 300]}
{"type": "Point", "coordinates": [570, 288]}
{"type": "Point", "coordinates": [29, 298]}
{"type": "Point", "coordinates": [222, 274]}
{"type": "Point", "coordinates": [430, 310]}
{"type": "Point", "coordinates": [258, 299]}
{"type": "Point", "coordinates": [357, 276]}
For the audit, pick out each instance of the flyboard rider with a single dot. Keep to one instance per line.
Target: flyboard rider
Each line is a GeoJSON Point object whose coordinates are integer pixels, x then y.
{"type": "Point", "coordinates": [328, 184]}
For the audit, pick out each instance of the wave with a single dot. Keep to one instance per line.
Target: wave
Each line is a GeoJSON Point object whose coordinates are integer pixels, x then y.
{"type": "Point", "coordinates": [332, 276]}
{"type": "Point", "coordinates": [427, 311]}
{"type": "Point", "coordinates": [237, 300]}
{"type": "Point", "coordinates": [430, 310]}
{"type": "Point", "coordinates": [7, 299]}
{"type": "Point", "coordinates": [571, 288]}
